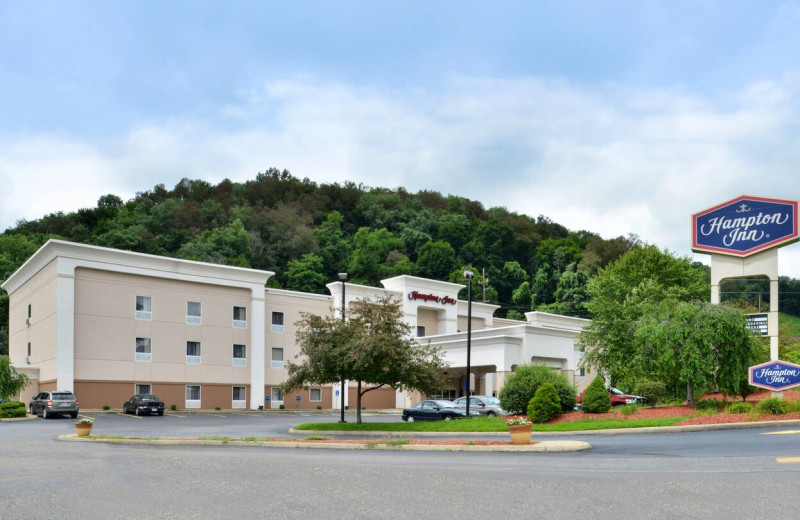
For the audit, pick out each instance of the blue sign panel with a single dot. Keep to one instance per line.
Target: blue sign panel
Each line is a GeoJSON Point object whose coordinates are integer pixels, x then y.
{"type": "Point", "coordinates": [745, 226]}
{"type": "Point", "coordinates": [775, 375]}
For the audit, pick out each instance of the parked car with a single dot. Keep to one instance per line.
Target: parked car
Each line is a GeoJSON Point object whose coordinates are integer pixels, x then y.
{"type": "Point", "coordinates": [144, 403]}
{"type": "Point", "coordinates": [482, 404]}
{"type": "Point", "coordinates": [617, 396]}
{"type": "Point", "coordinates": [435, 410]}
{"type": "Point", "coordinates": [51, 403]}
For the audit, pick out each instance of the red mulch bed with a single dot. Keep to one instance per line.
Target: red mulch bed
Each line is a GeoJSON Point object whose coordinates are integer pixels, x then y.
{"type": "Point", "coordinates": [677, 411]}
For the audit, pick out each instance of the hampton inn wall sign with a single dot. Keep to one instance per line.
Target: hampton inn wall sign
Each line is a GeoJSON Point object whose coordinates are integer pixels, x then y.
{"type": "Point", "coordinates": [745, 226]}
{"type": "Point", "coordinates": [444, 300]}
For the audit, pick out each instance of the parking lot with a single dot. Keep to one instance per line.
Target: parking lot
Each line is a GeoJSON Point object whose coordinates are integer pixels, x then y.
{"type": "Point", "coordinates": [190, 424]}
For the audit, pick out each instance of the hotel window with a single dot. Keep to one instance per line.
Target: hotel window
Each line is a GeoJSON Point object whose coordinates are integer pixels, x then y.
{"type": "Point", "coordinates": [239, 397]}
{"type": "Point", "coordinates": [277, 395]}
{"type": "Point", "coordinates": [239, 355]}
{"type": "Point", "coordinates": [144, 310]}
{"type": "Point", "coordinates": [277, 322]}
{"type": "Point", "coordinates": [239, 317]}
{"type": "Point", "coordinates": [192, 396]}
{"type": "Point", "coordinates": [277, 357]}
{"type": "Point", "coordinates": [193, 316]}
{"type": "Point", "coordinates": [28, 319]}
{"type": "Point", "coordinates": [142, 389]}
{"type": "Point", "coordinates": [29, 349]}
{"type": "Point", "coordinates": [193, 352]}
{"type": "Point", "coordinates": [143, 352]}
{"type": "Point", "coordinates": [420, 331]}
{"type": "Point", "coordinates": [315, 394]}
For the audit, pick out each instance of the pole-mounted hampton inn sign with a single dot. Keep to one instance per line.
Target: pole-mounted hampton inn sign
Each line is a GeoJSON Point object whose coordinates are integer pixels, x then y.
{"type": "Point", "coordinates": [745, 226]}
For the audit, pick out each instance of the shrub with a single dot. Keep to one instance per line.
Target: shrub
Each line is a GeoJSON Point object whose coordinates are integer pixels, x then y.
{"type": "Point", "coordinates": [173, 407]}
{"type": "Point", "coordinates": [653, 391]}
{"type": "Point", "coordinates": [773, 405]}
{"type": "Point", "coordinates": [794, 406]}
{"type": "Point", "coordinates": [281, 407]}
{"type": "Point", "coordinates": [521, 386]}
{"type": "Point", "coordinates": [106, 407]}
{"type": "Point", "coordinates": [217, 408]}
{"type": "Point", "coordinates": [545, 404]}
{"type": "Point", "coordinates": [738, 408]}
{"type": "Point", "coordinates": [595, 399]}
{"type": "Point", "coordinates": [319, 407]}
{"type": "Point", "coordinates": [12, 409]}
{"type": "Point", "coordinates": [630, 409]}
{"type": "Point", "coordinates": [706, 405]}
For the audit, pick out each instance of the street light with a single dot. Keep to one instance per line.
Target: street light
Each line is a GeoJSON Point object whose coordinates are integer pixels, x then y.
{"type": "Point", "coordinates": [469, 275]}
{"type": "Point", "coordinates": [343, 278]}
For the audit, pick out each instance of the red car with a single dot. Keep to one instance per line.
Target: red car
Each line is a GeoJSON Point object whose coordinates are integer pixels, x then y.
{"type": "Point", "coordinates": [618, 398]}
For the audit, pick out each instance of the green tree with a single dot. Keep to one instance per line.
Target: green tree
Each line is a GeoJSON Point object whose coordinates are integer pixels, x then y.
{"type": "Point", "coordinates": [621, 294]}
{"type": "Point", "coordinates": [545, 404]}
{"type": "Point", "coordinates": [436, 260]}
{"type": "Point", "coordinates": [334, 248]}
{"type": "Point", "coordinates": [373, 347]}
{"type": "Point", "coordinates": [595, 398]}
{"type": "Point", "coordinates": [521, 385]}
{"type": "Point", "coordinates": [11, 381]}
{"type": "Point", "coordinates": [229, 245]}
{"type": "Point", "coordinates": [305, 274]}
{"type": "Point", "coordinates": [370, 252]}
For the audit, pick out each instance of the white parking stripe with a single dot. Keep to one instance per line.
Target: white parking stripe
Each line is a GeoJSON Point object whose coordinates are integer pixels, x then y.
{"type": "Point", "coordinates": [131, 416]}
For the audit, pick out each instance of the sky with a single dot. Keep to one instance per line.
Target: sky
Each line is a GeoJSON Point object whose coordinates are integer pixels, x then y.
{"type": "Point", "coordinates": [611, 117]}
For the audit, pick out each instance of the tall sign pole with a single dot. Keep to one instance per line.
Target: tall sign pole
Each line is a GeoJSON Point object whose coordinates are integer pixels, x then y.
{"type": "Point", "coordinates": [742, 236]}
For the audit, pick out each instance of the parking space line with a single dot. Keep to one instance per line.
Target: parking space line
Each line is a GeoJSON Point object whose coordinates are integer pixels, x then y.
{"type": "Point", "coordinates": [86, 416]}
{"type": "Point", "coordinates": [174, 415]}
{"type": "Point", "coordinates": [130, 416]}
{"type": "Point", "coordinates": [786, 432]}
{"type": "Point", "coordinates": [215, 415]}
{"type": "Point", "coordinates": [788, 460]}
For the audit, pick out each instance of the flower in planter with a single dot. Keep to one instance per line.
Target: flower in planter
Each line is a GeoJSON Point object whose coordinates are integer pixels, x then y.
{"type": "Point", "coordinates": [85, 420]}
{"type": "Point", "coordinates": [519, 421]}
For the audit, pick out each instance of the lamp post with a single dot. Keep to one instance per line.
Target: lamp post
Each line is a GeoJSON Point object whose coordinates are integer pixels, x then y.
{"type": "Point", "coordinates": [343, 278]}
{"type": "Point", "coordinates": [469, 275]}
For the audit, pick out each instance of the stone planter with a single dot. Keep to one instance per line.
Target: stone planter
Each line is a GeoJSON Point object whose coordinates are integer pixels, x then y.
{"type": "Point", "coordinates": [520, 434]}
{"type": "Point", "coordinates": [83, 430]}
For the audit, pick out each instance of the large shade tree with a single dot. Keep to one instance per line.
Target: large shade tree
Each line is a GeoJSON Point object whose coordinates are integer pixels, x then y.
{"type": "Point", "coordinates": [11, 381]}
{"type": "Point", "coordinates": [621, 295]}
{"type": "Point", "coordinates": [373, 347]}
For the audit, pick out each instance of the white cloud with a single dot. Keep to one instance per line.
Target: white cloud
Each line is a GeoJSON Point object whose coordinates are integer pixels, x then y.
{"type": "Point", "coordinates": [607, 159]}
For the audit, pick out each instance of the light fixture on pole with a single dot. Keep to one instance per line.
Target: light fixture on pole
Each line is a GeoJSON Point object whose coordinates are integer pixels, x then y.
{"type": "Point", "coordinates": [469, 275]}
{"type": "Point", "coordinates": [343, 278]}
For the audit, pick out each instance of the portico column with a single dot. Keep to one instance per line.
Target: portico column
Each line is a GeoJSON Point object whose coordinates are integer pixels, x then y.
{"type": "Point", "coordinates": [65, 330]}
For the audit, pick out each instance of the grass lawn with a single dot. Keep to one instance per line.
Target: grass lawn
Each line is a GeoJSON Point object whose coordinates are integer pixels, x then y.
{"type": "Point", "coordinates": [491, 424]}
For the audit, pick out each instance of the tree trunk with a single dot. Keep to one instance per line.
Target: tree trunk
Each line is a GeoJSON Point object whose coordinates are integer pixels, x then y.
{"type": "Point", "coordinates": [358, 404]}
{"type": "Point", "coordinates": [689, 393]}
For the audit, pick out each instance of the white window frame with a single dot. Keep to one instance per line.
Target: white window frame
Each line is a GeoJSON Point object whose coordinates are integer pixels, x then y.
{"type": "Point", "coordinates": [143, 357]}
{"type": "Point", "coordinates": [239, 361]}
{"type": "Point", "coordinates": [311, 395]}
{"type": "Point", "coordinates": [276, 327]}
{"type": "Point", "coordinates": [146, 315]}
{"type": "Point", "coordinates": [194, 403]}
{"type": "Point", "coordinates": [238, 403]}
{"type": "Point", "coordinates": [194, 359]}
{"type": "Point", "coordinates": [277, 363]}
{"type": "Point", "coordinates": [239, 324]}
{"type": "Point", "coordinates": [273, 395]}
{"type": "Point", "coordinates": [193, 319]}
{"type": "Point", "coordinates": [138, 387]}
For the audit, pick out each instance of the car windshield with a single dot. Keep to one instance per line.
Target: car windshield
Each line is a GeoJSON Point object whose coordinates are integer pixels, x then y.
{"type": "Point", "coordinates": [491, 400]}
{"type": "Point", "coordinates": [615, 391]}
{"type": "Point", "coordinates": [150, 398]}
{"type": "Point", "coordinates": [445, 404]}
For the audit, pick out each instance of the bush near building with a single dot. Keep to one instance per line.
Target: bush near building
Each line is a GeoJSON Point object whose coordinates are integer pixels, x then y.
{"type": "Point", "coordinates": [774, 406]}
{"type": "Point", "coordinates": [596, 399]}
{"type": "Point", "coordinates": [545, 404]}
{"type": "Point", "coordinates": [12, 409]}
{"type": "Point", "coordinates": [653, 391]}
{"type": "Point", "coordinates": [521, 386]}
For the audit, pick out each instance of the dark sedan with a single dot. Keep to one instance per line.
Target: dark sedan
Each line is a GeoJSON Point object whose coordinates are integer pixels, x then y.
{"type": "Point", "coordinates": [435, 411]}
{"type": "Point", "coordinates": [144, 404]}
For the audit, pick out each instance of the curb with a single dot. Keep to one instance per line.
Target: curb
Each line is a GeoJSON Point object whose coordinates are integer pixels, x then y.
{"type": "Point", "coordinates": [539, 447]}
{"type": "Point", "coordinates": [28, 417]}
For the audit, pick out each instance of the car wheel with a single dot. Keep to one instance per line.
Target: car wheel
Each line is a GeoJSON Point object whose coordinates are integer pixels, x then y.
{"type": "Point", "coordinates": [138, 413]}
{"type": "Point", "coordinates": [44, 413]}
{"type": "Point", "coordinates": [410, 418]}
{"type": "Point", "coordinates": [491, 414]}
{"type": "Point", "coordinates": [160, 414]}
{"type": "Point", "coordinates": [447, 417]}
{"type": "Point", "coordinates": [74, 415]}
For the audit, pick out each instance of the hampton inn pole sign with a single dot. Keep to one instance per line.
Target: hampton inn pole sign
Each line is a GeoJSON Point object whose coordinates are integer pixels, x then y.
{"type": "Point", "coordinates": [745, 226]}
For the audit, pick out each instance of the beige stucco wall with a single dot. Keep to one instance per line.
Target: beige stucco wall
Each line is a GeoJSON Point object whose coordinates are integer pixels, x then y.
{"type": "Point", "coordinates": [106, 330]}
{"type": "Point", "coordinates": [41, 293]}
{"type": "Point", "coordinates": [477, 323]}
{"type": "Point", "coordinates": [428, 318]}
{"type": "Point", "coordinates": [291, 304]}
